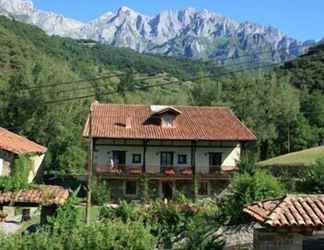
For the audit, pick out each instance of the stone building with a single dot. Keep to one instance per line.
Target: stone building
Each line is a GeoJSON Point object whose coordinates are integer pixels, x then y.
{"type": "Point", "coordinates": [294, 222]}
{"type": "Point", "coordinates": [172, 146]}
{"type": "Point", "coordinates": [13, 145]}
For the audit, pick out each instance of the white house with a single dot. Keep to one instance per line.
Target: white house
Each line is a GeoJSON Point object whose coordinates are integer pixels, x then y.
{"type": "Point", "coordinates": [173, 146]}
{"type": "Point", "coordinates": [12, 145]}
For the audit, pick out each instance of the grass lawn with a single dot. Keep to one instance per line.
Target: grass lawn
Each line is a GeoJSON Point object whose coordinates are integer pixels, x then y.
{"type": "Point", "coordinates": [297, 159]}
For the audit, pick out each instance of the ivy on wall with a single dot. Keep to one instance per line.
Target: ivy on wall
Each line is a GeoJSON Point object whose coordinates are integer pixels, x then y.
{"type": "Point", "coordinates": [18, 179]}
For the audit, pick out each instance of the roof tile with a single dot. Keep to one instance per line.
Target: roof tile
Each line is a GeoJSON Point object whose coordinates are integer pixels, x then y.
{"type": "Point", "coordinates": [18, 144]}
{"type": "Point", "coordinates": [193, 123]}
{"type": "Point", "coordinates": [41, 195]}
{"type": "Point", "coordinates": [290, 211]}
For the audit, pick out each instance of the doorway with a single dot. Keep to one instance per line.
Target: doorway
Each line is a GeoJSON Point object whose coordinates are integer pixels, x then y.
{"type": "Point", "coordinates": [167, 190]}
{"type": "Point", "coordinates": [119, 158]}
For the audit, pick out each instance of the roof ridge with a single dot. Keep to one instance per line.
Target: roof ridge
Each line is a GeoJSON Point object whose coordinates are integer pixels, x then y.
{"type": "Point", "coordinates": [168, 105]}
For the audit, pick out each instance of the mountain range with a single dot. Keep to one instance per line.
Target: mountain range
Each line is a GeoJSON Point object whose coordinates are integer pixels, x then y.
{"type": "Point", "coordinates": [186, 33]}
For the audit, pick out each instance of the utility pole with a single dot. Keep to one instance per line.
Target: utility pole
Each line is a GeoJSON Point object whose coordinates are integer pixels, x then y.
{"type": "Point", "coordinates": [90, 167]}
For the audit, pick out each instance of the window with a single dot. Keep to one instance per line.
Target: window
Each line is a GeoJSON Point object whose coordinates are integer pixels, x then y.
{"type": "Point", "coordinates": [119, 157]}
{"type": "Point", "coordinates": [182, 159]}
{"type": "Point", "coordinates": [131, 188]}
{"type": "Point", "coordinates": [166, 159]}
{"type": "Point", "coordinates": [215, 159]}
{"type": "Point", "coordinates": [137, 158]}
{"type": "Point", "coordinates": [203, 188]}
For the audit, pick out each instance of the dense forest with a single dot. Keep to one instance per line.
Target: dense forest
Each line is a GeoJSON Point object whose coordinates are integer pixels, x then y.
{"type": "Point", "coordinates": [39, 75]}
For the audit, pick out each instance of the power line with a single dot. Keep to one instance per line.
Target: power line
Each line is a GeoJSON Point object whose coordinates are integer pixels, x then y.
{"type": "Point", "coordinates": [94, 87]}
{"type": "Point", "coordinates": [75, 81]}
{"type": "Point", "coordinates": [252, 54]}
{"type": "Point", "coordinates": [159, 84]}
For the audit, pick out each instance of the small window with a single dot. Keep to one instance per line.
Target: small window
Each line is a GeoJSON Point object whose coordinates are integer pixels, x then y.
{"type": "Point", "coordinates": [131, 188]}
{"type": "Point", "coordinates": [203, 188]}
{"type": "Point", "coordinates": [137, 158]}
{"type": "Point", "coordinates": [182, 159]}
{"type": "Point", "coordinates": [215, 159]}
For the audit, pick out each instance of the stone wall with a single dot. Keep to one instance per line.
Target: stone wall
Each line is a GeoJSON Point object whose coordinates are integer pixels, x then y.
{"type": "Point", "coordinates": [266, 240]}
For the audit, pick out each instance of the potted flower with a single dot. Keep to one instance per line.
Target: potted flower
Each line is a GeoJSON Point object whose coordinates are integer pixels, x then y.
{"type": "Point", "coordinates": [187, 172]}
{"type": "Point", "coordinates": [169, 172]}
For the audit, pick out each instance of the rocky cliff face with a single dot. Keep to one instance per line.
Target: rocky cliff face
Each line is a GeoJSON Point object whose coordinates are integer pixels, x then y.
{"type": "Point", "coordinates": [188, 33]}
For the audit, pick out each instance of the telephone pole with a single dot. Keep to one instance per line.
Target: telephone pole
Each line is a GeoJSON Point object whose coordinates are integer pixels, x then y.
{"type": "Point", "coordinates": [90, 167]}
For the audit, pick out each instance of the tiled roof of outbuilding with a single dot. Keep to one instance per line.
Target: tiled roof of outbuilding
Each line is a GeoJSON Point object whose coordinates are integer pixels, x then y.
{"type": "Point", "coordinates": [41, 195]}
{"type": "Point", "coordinates": [17, 144]}
{"type": "Point", "coordinates": [192, 123]}
{"type": "Point", "coordinates": [302, 211]}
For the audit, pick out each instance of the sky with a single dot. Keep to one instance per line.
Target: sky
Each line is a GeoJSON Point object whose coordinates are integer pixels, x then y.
{"type": "Point", "coordinates": [301, 19]}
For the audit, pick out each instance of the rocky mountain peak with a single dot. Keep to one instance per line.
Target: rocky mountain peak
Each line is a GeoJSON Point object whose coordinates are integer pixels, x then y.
{"type": "Point", "coordinates": [17, 6]}
{"type": "Point", "coordinates": [189, 32]}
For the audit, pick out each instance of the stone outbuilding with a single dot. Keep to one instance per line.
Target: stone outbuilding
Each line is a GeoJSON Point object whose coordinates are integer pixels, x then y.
{"type": "Point", "coordinates": [294, 222]}
{"type": "Point", "coordinates": [12, 146]}
{"type": "Point", "coordinates": [48, 198]}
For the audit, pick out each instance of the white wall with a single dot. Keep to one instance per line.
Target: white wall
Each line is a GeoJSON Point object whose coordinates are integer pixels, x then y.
{"type": "Point", "coordinates": [36, 163]}
{"type": "Point", "coordinates": [230, 156]}
{"type": "Point", "coordinates": [103, 154]}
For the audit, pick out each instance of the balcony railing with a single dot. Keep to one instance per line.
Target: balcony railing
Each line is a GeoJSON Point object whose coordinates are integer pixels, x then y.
{"type": "Point", "coordinates": [170, 171]}
{"type": "Point", "coordinates": [174, 171]}
{"type": "Point", "coordinates": [119, 170]}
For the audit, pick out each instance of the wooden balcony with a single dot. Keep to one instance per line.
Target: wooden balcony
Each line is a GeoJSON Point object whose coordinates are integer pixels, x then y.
{"type": "Point", "coordinates": [186, 172]}
{"type": "Point", "coordinates": [119, 170]}
{"type": "Point", "coordinates": [176, 171]}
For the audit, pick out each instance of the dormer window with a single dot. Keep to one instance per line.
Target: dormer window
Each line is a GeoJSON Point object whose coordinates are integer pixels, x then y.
{"type": "Point", "coordinates": [167, 120]}
{"type": "Point", "coordinates": [164, 116]}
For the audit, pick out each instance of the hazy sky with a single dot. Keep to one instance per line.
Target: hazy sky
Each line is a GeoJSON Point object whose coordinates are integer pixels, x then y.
{"type": "Point", "coordinates": [301, 19]}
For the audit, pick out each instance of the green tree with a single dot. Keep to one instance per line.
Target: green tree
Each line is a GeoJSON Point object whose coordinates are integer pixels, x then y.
{"type": "Point", "coordinates": [246, 188]}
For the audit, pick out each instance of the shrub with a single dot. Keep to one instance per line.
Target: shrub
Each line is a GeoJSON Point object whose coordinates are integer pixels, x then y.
{"type": "Point", "coordinates": [100, 192]}
{"type": "Point", "coordinates": [18, 180]}
{"type": "Point", "coordinates": [144, 189]}
{"type": "Point", "coordinates": [246, 188]}
{"type": "Point", "coordinates": [67, 216]}
{"type": "Point", "coordinates": [109, 235]}
{"type": "Point", "coordinates": [313, 181]}
{"type": "Point", "coordinates": [125, 212]}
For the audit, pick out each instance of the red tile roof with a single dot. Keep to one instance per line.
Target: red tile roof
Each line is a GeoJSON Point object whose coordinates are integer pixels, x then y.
{"type": "Point", "coordinates": [41, 195]}
{"type": "Point", "coordinates": [193, 123]}
{"type": "Point", "coordinates": [18, 144]}
{"type": "Point", "coordinates": [291, 211]}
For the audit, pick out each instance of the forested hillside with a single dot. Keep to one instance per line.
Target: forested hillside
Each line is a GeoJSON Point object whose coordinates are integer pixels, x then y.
{"type": "Point", "coordinates": [284, 107]}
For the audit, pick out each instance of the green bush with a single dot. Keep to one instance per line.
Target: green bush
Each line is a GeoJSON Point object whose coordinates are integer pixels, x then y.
{"type": "Point", "coordinates": [125, 212]}
{"type": "Point", "coordinates": [18, 179]}
{"type": "Point", "coordinates": [174, 225]}
{"type": "Point", "coordinates": [100, 192]}
{"type": "Point", "coordinates": [313, 181]}
{"type": "Point", "coordinates": [100, 236]}
{"type": "Point", "coordinates": [246, 188]}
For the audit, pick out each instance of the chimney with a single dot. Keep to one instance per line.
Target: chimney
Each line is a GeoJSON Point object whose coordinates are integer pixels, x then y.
{"type": "Point", "coordinates": [128, 122]}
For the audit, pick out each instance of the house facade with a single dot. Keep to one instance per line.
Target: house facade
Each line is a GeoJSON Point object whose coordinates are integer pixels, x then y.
{"type": "Point", "coordinates": [13, 145]}
{"type": "Point", "coordinates": [173, 147]}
